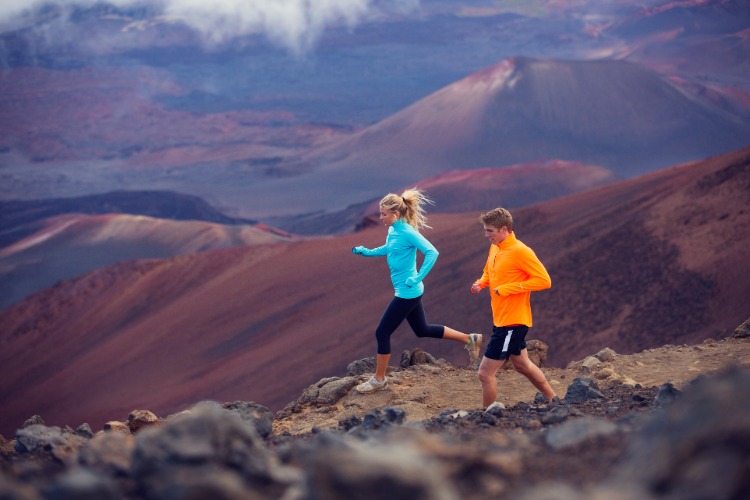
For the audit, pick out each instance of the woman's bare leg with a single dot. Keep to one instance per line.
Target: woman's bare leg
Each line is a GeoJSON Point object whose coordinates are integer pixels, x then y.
{"type": "Point", "coordinates": [382, 366]}
{"type": "Point", "coordinates": [451, 334]}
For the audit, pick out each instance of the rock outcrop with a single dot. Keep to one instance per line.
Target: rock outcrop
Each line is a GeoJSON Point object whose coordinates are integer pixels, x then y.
{"type": "Point", "coordinates": [618, 440]}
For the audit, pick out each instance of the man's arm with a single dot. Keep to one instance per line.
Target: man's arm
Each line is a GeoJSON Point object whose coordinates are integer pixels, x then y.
{"type": "Point", "coordinates": [484, 281]}
{"type": "Point", "coordinates": [538, 276]}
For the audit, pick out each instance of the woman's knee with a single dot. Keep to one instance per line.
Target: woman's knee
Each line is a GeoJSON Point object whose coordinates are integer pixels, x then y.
{"type": "Point", "coordinates": [384, 343]}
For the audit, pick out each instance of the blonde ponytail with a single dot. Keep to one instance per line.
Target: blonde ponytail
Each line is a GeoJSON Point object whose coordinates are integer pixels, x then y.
{"type": "Point", "coordinates": [409, 206]}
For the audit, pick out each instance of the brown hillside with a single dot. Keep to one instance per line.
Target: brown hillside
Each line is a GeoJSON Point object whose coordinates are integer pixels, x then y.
{"type": "Point", "coordinates": [653, 260]}
{"type": "Point", "coordinates": [69, 245]}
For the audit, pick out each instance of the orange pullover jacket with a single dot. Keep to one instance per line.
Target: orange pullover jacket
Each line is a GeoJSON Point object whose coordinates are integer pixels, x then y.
{"type": "Point", "coordinates": [514, 270]}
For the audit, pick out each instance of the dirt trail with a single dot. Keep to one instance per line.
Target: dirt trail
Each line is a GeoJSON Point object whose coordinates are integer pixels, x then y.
{"type": "Point", "coordinates": [424, 391]}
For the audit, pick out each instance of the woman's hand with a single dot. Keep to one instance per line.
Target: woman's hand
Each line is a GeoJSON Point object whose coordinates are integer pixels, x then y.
{"type": "Point", "coordinates": [358, 250]}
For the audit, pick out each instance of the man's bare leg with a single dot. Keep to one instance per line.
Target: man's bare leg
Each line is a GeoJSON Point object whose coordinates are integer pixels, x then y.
{"type": "Point", "coordinates": [524, 366]}
{"type": "Point", "coordinates": [487, 370]}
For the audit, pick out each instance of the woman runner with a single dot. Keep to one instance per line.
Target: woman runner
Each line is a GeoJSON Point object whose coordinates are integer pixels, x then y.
{"type": "Point", "coordinates": [404, 216]}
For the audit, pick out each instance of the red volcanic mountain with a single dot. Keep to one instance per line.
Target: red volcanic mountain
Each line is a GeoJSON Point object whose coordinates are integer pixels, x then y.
{"type": "Point", "coordinates": [70, 245]}
{"type": "Point", "coordinates": [616, 114]}
{"type": "Point", "coordinates": [657, 259]}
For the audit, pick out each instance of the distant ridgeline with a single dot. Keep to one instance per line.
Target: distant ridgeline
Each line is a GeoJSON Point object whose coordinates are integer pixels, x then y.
{"type": "Point", "coordinates": [21, 218]}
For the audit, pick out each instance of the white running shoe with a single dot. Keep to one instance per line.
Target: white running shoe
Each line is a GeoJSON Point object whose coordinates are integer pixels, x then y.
{"type": "Point", "coordinates": [372, 385]}
{"type": "Point", "coordinates": [496, 405]}
{"type": "Point", "coordinates": [474, 347]}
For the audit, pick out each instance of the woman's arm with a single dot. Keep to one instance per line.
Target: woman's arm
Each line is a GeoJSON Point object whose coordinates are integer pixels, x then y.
{"type": "Point", "coordinates": [370, 252]}
{"type": "Point", "coordinates": [430, 257]}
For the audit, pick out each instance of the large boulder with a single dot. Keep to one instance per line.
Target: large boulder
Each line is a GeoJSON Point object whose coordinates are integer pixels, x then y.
{"type": "Point", "coordinates": [576, 431]}
{"type": "Point", "coordinates": [537, 351]}
{"type": "Point", "coordinates": [83, 484]}
{"type": "Point", "coordinates": [582, 389]}
{"type": "Point", "coordinates": [54, 441]}
{"type": "Point", "coordinates": [205, 451]}
{"type": "Point", "coordinates": [109, 453]}
{"type": "Point", "coordinates": [327, 391]}
{"type": "Point", "coordinates": [253, 413]}
{"type": "Point", "coordinates": [699, 445]}
{"type": "Point", "coordinates": [417, 357]}
{"type": "Point", "coordinates": [361, 367]}
{"type": "Point", "coordinates": [346, 469]}
{"type": "Point", "coordinates": [138, 419]}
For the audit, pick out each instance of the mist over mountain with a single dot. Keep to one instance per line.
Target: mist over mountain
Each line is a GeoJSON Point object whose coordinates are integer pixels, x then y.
{"type": "Point", "coordinates": [657, 259]}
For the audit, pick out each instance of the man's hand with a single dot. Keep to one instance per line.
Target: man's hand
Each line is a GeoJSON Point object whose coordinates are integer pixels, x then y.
{"type": "Point", "coordinates": [475, 289]}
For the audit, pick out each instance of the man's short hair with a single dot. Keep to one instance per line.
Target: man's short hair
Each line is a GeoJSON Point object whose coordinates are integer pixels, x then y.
{"type": "Point", "coordinates": [498, 218]}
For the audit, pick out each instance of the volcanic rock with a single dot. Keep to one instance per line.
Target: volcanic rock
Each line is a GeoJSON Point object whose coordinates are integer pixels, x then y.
{"type": "Point", "coordinates": [743, 330]}
{"type": "Point", "coordinates": [138, 419]}
{"type": "Point", "coordinates": [582, 389]}
{"type": "Point", "coordinates": [57, 442]}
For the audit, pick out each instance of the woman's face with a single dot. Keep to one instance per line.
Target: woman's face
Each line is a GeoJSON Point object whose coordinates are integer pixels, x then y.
{"type": "Point", "coordinates": [387, 217]}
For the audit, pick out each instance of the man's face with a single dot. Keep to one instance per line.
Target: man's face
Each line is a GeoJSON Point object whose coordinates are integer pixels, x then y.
{"type": "Point", "coordinates": [494, 234]}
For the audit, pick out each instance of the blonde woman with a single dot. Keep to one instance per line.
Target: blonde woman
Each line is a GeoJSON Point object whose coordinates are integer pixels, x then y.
{"type": "Point", "coordinates": [404, 216]}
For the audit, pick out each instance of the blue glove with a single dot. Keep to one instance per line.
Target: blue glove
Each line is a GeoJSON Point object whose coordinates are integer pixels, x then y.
{"type": "Point", "coordinates": [358, 250]}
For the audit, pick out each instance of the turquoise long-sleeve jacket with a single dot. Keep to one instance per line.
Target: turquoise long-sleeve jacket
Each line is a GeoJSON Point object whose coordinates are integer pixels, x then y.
{"type": "Point", "coordinates": [401, 247]}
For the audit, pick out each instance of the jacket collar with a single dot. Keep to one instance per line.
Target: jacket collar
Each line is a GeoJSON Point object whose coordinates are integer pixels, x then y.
{"type": "Point", "coordinates": [507, 242]}
{"type": "Point", "coordinates": [399, 224]}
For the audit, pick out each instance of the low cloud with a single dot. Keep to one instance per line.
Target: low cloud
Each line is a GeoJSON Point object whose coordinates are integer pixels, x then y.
{"type": "Point", "coordinates": [293, 24]}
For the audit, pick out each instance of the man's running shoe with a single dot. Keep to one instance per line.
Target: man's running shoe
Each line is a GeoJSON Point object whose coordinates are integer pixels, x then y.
{"type": "Point", "coordinates": [474, 347]}
{"type": "Point", "coordinates": [495, 408]}
{"type": "Point", "coordinates": [372, 385]}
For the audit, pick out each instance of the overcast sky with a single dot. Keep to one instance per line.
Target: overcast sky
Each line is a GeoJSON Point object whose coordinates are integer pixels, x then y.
{"type": "Point", "coordinates": [293, 24]}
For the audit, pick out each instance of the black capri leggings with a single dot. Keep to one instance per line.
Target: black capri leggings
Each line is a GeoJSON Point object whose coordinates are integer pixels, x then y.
{"type": "Point", "coordinates": [398, 310]}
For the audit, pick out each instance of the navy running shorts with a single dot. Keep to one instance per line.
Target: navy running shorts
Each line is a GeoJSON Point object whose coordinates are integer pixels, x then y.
{"type": "Point", "coordinates": [506, 341]}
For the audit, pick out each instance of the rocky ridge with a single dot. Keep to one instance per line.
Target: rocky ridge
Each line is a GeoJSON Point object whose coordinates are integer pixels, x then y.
{"type": "Point", "coordinates": [671, 422]}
